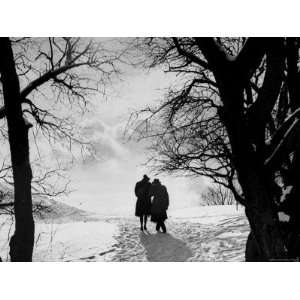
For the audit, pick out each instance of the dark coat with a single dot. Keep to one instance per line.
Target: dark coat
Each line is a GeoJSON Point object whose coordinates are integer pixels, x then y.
{"type": "Point", "coordinates": [160, 202]}
{"type": "Point", "coordinates": [143, 203]}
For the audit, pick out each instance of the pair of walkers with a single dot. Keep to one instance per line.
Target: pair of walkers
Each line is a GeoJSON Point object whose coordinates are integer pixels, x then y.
{"type": "Point", "coordinates": [152, 200]}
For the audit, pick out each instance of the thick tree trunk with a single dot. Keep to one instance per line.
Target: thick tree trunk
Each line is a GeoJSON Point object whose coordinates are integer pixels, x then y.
{"type": "Point", "coordinates": [260, 211]}
{"type": "Point", "coordinates": [252, 253]}
{"type": "Point", "coordinates": [260, 205]}
{"type": "Point", "coordinates": [21, 244]}
{"type": "Point", "coordinates": [265, 241]}
{"type": "Point", "coordinates": [247, 144]}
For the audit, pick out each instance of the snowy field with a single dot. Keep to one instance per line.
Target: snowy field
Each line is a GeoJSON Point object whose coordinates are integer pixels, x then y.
{"type": "Point", "coordinates": [212, 233]}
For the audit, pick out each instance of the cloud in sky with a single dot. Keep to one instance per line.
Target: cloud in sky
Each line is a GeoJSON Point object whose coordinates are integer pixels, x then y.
{"type": "Point", "coordinates": [105, 182]}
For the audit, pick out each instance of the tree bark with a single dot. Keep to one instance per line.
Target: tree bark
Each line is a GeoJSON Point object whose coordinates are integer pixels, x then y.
{"type": "Point", "coordinates": [259, 195]}
{"type": "Point", "coordinates": [252, 176]}
{"type": "Point", "coordinates": [21, 243]}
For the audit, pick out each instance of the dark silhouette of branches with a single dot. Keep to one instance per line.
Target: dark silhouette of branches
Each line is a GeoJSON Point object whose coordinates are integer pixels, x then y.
{"type": "Point", "coordinates": [46, 85]}
{"type": "Point", "coordinates": [48, 183]}
{"type": "Point", "coordinates": [233, 117]}
{"type": "Point", "coordinates": [66, 71]}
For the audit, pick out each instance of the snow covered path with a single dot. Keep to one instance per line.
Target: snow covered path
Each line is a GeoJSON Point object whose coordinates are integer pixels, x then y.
{"type": "Point", "coordinates": [185, 241]}
{"type": "Point", "coordinates": [194, 234]}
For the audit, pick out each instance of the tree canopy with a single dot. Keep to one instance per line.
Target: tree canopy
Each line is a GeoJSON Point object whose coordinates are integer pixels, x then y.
{"type": "Point", "coordinates": [232, 116]}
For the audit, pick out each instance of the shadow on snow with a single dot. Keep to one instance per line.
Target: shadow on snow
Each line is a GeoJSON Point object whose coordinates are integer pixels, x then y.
{"type": "Point", "coordinates": [165, 247]}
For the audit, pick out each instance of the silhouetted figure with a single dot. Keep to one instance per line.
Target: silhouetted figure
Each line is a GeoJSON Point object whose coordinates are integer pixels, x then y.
{"type": "Point", "coordinates": [160, 204]}
{"type": "Point", "coordinates": [143, 203]}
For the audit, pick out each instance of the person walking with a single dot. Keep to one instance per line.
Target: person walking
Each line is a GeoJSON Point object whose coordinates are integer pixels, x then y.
{"type": "Point", "coordinates": [143, 203]}
{"type": "Point", "coordinates": [159, 205]}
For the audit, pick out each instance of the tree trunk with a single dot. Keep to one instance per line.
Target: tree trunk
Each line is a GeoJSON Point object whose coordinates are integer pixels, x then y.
{"type": "Point", "coordinates": [247, 144]}
{"type": "Point", "coordinates": [21, 244]}
{"type": "Point", "coordinates": [252, 253]}
{"type": "Point", "coordinates": [257, 191]}
{"type": "Point", "coordinates": [260, 209]}
{"type": "Point", "coordinates": [265, 241]}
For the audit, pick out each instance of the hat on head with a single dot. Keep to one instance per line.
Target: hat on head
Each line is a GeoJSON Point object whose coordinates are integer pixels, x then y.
{"type": "Point", "coordinates": [146, 177]}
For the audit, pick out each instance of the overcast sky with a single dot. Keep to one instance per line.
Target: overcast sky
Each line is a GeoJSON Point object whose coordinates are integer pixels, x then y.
{"type": "Point", "coordinates": [106, 185]}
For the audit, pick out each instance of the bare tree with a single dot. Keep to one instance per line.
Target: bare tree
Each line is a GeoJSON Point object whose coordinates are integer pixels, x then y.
{"type": "Point", "coordinates": [233, 116]}
{"type": "Point", "coordinates": [217, 195]}
{"type": "Point", "coordinates": [23, 239]}
{"type": "Point", "coordinates": [41, 80]}
{"type": "Point", "coordinates": [48, 183]}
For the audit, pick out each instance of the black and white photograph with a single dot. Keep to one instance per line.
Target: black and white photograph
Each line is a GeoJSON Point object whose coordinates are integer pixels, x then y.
{"type": "Point", "coordinates": [149, 149]}
{"type": "Point", "coordinates": [152, 148]}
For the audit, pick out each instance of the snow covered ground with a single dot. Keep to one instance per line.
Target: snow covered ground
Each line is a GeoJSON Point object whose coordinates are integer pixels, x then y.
{"type": "Point", "coordinates": [213, 233]}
